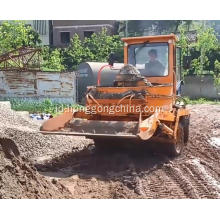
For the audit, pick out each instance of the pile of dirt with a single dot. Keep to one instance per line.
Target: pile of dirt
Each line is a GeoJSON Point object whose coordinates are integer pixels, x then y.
{"type": "Point", "coordinates": [33, 145]}
{"type": "Point", "coordinates": [19, 179]}
{"type": "Point", "coordinates": [20, 145]}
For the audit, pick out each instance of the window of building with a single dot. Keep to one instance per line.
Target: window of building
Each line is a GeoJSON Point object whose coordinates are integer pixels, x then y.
{"type": "Point", "coordinates": [88, 34]}
{"type": "Point", "coordinates": [65, 37]}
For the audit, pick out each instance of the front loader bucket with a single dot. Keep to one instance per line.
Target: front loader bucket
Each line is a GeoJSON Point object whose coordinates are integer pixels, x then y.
{"type": "Point", "coordinates": [94, 128]}
{"type": "Point", "coordinates": [66, 124]}
{"type": "Point", "coordinates": [57, 123]}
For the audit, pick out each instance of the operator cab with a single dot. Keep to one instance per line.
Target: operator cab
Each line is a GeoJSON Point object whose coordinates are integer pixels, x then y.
{"type": "Point", "coordinates": [157, 58]}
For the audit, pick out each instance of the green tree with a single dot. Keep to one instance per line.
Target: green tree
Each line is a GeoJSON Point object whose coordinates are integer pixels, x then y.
{"type": "Point", "coordinates": [15, 34]}
{"type": "Point", "coordinates": [75, 53]}
{"type": "Point", "coordinates": [101, 45]}
{"type": "Point", "coordinates": [183, 42]}
{"type": "Point", "coordinates": [206, 41]}
{"type": "Point", "coordinates": [52, 59]}
{"type": "Point", "coordinates": [96, 48]}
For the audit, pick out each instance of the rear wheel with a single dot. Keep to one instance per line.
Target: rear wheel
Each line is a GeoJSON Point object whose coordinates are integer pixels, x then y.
{"type": "Point", "coordinates": [175, 149]}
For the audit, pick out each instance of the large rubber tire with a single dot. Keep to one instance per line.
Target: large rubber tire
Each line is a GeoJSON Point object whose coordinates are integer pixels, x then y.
{"type": "Point", "coordinates": [175, 149]}
{"type": "Point", "coordinates": [185, 122]}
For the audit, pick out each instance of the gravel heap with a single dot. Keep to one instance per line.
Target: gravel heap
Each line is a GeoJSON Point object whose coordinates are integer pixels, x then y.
{"type": "Point", "coordinates": [21, 145]}
{"type": "Point", "coordinates": [31, 144]}
{"type": "Point", "coordinates": [19, 179]}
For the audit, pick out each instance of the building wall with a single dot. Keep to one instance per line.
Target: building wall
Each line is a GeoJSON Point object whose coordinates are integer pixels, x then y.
{"type": "Point", "coordinates": [78, 27]}
{"type": "Point", "coordinates": [58, 23]}
{"type": "Point", "coordinates": [38, 85]}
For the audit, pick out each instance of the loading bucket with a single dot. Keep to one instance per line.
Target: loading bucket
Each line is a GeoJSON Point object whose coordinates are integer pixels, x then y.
{"type": "Point", "coordinates": [66, 124]}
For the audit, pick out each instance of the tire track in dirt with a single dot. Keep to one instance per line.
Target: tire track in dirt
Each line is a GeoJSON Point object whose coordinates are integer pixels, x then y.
{"type": "Point", "coordinates": [151, 187]}
{"type": "Point", "coordinates": [212, 168]}
{"type": "Point", "coordinates": [133, 181]}
{"type": "Point", "coordinates": [207, 153]}
{"type": "Point", "coordinates": [185, 184]}
{"type": "Point", "coordinates": [169, 188]}
{"type": "Point", "coordinates": [207, 181]}
{"type": "Point", "coordinates": [197, 183]}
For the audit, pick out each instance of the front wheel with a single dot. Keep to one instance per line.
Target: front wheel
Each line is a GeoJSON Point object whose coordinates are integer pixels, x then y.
{"type": "Point", "coordinates": [175, 149]}
{"type": "Point", "coordinates": [185, 123]}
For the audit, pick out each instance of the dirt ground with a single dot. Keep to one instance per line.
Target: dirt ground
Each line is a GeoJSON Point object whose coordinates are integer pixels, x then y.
{"type": "Point", "coordinates": [33, 165]}
{"type": "Point", "coordinates": [142, 173]}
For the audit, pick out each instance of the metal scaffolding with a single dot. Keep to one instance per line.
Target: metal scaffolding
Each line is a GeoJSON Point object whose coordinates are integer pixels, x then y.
{"type": "Point", "coordinates": [21, 59]}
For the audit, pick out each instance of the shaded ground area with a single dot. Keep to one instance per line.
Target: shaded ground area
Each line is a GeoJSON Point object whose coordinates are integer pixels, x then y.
{"type": "Point", "coordinates": [141, 173]}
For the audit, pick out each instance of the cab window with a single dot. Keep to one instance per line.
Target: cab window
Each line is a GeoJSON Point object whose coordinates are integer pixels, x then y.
{"type": "Point", "coordinates": [151, 59]}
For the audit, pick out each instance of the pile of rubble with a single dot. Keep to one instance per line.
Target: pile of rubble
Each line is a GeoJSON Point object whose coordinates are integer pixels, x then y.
{"type": "Point", "coordinates": [24, 131]}
{"type": "Point", "coordinates": [20, 145]}
{"type": "Point", "coordinates": [19, 179]}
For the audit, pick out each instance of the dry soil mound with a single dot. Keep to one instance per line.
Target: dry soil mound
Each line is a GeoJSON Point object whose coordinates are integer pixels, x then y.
{"type": "Point", "coordinates": [20, 143]}
{"type": "Point", "coordinates": [18, 179]}
{"type": "Point", "coordinates": [33, 145]}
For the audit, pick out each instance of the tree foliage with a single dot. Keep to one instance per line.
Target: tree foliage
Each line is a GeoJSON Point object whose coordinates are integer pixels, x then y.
{"type": "Point", "coordinates": [51, 59]}
{"type": "Point", "coordinates": [206, 42]}
{"type": "Point", "coordinates": [96, 48]}
{"type": "Point", "coordinates": [206, 39]}
{"type": "Point", "coordinates": [183, 42]}
{"type": "Point", "coordinates": [75, 53]}
{"type": "Point", "coordinates": [101, 45]}
{"type": "Point", "coordinates": [15, 34]}
{"type": "Point", "coordinates": [204, 52]}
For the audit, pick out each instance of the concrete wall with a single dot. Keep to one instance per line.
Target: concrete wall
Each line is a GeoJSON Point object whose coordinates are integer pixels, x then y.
{"type": "Point", "coordinates": [38, 85]}
{"type": "Point", "coordinates": [200, 86]}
